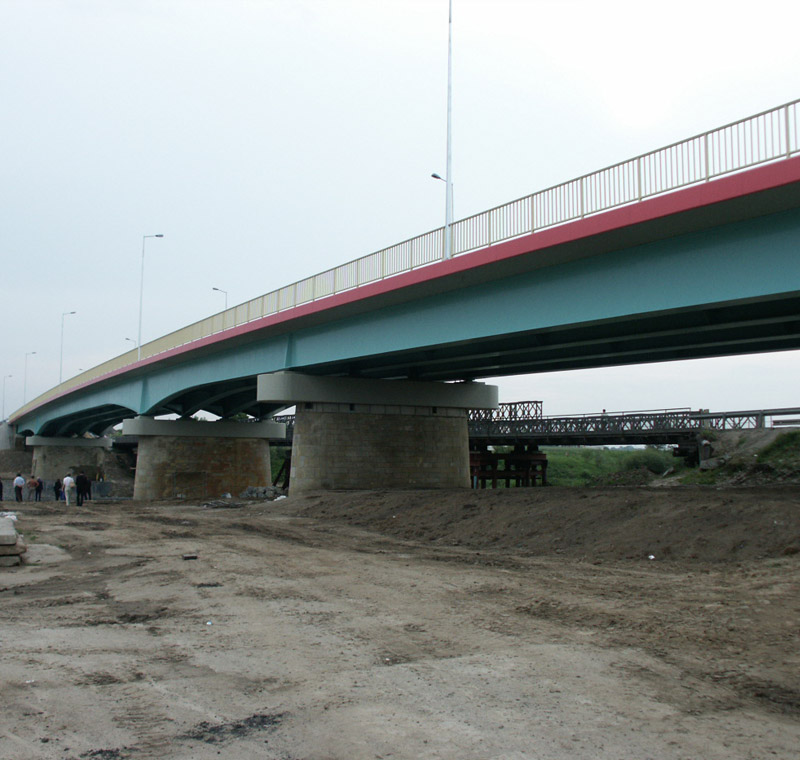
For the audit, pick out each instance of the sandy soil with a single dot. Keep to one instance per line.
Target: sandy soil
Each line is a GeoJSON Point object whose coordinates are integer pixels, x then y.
{"type": "Point", "coordinates": [507, 625]}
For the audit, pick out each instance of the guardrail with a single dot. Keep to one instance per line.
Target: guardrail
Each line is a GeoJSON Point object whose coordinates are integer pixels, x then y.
{"type": "Point", "coordinates": [767, 136]}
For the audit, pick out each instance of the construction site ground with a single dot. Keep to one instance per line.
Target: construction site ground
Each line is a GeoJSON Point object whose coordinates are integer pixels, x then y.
{"type": "Point", "coordinates": [555, 624]}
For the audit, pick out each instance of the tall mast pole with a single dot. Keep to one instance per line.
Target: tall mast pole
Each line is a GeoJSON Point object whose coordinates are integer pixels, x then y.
{"type": "Point", "coordinates": [448, 227]}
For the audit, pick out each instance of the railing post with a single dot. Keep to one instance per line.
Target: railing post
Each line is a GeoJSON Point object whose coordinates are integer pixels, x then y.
{"type": "Point", "coordinates": [639, 177]}
{"type": "Point", "coordinates": [788, 132]}
{"type": "Point", "coordinates": [705, 150]}
{"type": "Point", "coordinates": [533, 213]}
{"type": "Point", "coordinates": [582, 206]}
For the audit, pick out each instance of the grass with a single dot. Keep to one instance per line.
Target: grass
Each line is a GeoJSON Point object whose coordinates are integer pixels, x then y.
{"type": "Point", "coordinates": [783, 451]}
{"type": "Point", "coordinates": [587, 466]}
{"type": "Point", "coordinates": [777, 461]}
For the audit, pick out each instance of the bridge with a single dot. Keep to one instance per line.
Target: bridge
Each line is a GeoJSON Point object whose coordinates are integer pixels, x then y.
{"type": "Point", "coordinates": [685, 252]}
{"type": "Point", "coordinates": [522, 422]}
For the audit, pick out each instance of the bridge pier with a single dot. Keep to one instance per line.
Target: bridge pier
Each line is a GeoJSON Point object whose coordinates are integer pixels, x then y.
{"type": "Point", "coordinates": [353, 433]}
{"type": "Point", "coordinates": [192, 459]}
{"type": "Point", "coordinates": [55, 457]}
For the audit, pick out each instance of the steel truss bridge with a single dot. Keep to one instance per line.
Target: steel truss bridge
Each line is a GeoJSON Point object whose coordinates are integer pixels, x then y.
{"type": "Point", "coordinates": [523, 423]}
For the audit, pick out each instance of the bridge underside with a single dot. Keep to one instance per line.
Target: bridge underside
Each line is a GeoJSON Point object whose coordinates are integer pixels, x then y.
{"type": "Point", "coordinates": [715, 330]}
{"type": "Point", "coordinates": [223, 399]}
{"type": "Point", "coordinates": [94, 420]}
{"type": "Point", "coordinates": [712, 331]}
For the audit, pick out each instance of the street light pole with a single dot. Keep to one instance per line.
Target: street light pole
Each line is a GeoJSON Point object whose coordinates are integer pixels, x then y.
{"type": "Point", "coordinates": [61, 358]}
{"type": "Point", "coordinates": [220, 290]}
{"type": "Point", "coordinates": [141, 298]}
{"type": "Point", "coordinates": [25, 378]}
{"type": "Point", "coordinates": [448, 225]}
{"type": "Point", "coordinates": [5, 377]}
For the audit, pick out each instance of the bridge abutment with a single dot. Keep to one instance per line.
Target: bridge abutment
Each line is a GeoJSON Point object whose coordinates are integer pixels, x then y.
{"type": "Point", "coordinates": [353, 433]}
{"type": "Point", "coordinates": [195, 460]}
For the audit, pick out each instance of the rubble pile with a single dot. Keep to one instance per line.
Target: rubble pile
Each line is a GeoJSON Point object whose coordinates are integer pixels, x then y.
{"type": "Point", "coordinates": [12, 546]}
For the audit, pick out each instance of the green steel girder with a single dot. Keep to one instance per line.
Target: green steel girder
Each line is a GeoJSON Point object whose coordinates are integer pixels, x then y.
{"type": "Point", "coordinates": [730, 289]}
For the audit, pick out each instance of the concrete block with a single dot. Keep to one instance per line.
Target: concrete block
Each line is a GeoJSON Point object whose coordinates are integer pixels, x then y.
{"type": "Point", "coordinates": [10, 561]}
{"type": "Point", "coordinates": [8, 532]}
{"type": "Point", "coordinates": [8, 550]}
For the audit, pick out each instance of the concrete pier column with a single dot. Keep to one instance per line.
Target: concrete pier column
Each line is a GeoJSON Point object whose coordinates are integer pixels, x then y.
{"type": "Point", "coordinates": [352, 433]}
{"type": "Point", "coordinates": [55, 457]}
{"type": "Point", "coordinates": [363, 446]}
{"type": "Point", "coordinates": [197, 460]}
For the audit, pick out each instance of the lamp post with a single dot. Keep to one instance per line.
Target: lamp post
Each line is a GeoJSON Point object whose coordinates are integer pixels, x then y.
{"type": "Point", "coordinates": [25, 378]}
{"type": "Point", "coordinates": [220, 290]}
{"type": "Point", "coordinates": [61, 357]}
{"type": "Point", "coordinates": [141, 297]}
{"type": "Point", "coordinates": [5, 377]}
{"type": "Point", "coordinates": [448, 224]}
{"type": "Point", "coordinates": [132, 341]}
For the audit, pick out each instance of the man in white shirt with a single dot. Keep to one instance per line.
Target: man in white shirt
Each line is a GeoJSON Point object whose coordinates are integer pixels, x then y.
{"type": "Point", "coordinates": [69, 489]}
{"type": "Point", "coordinates": [19, 484]}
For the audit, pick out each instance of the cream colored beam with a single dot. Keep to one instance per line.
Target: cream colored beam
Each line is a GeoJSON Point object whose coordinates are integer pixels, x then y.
{"type": "Point", "coordinates": [196, 429]}
{"type": "Point", "coordinates": [294, 388]}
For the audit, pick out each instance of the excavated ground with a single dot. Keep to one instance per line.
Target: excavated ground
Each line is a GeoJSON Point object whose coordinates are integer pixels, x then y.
{"type": "Point", "coordinates": [529, 623]}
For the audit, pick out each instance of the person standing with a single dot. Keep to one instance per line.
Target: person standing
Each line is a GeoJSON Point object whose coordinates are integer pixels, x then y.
{"type": "Point", "coordinates": [69, 489]}
{"type": "Point", "coordinates": [39, 488]}
{"type": "Point", "coordinates": [32, 483]}
{"type": "Point", "coordinates": [82, 485]}
{"type": "Point", "coordinates": [19, 484]}
{"type": "Point", "coordinates": [57, 489]}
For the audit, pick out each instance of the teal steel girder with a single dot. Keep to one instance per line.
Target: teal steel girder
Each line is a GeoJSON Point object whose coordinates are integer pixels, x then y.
{"type": "Point", "coordinates": [729, 289]}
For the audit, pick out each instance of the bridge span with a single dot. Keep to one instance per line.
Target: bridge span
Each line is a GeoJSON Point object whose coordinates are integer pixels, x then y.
{"type": "Point", "coordinates": [688, 251]}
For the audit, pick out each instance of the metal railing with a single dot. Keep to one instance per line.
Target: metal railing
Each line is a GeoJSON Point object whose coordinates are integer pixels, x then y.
{"type": "Point", "coordinates": [768, 136]}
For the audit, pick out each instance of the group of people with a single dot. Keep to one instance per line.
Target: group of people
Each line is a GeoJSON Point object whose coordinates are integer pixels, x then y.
{"type": "Point", "coordinates": [71, 490]}
{"type": "Point", "coordinates": [77, 489]}
{"type": "Point", "coordinates": [35, 487]}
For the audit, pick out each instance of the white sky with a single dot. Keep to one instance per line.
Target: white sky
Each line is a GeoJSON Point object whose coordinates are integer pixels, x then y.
{"type": "Point", "coordinates": [272, 139]}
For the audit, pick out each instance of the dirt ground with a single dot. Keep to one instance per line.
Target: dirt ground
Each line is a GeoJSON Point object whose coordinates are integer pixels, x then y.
{"type": "Point", "coordinates": [530, 623]}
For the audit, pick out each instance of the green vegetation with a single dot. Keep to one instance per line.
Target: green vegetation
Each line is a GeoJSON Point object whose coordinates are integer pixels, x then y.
{"type": "Point", "coordinates": [784, 451]}
{"type": "Point", "coordinates": [777, 462]}
{"type": "Point", "coordinates": [586, 466]}
{"type": "Point", "coordinates": [277, 456]}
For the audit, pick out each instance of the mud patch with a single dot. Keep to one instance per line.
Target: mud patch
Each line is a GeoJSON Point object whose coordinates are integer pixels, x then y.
{"type": "Point", "coordinates": [89, 525]}
{"type": "Point", "coordinates": [106, 754]}
{"type": "Point", "coordinates": [771, 695]}
{"type": "Point", "coordinates": [211, 733]}
{"type": "Point", "coordinates": [164, 520]}
{"type": "Point", "coordinates": [99, 679]}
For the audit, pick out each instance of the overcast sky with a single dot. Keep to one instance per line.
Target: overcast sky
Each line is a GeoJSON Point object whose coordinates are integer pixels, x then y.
{"type": "Point", "coordinates": [268, 140]}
